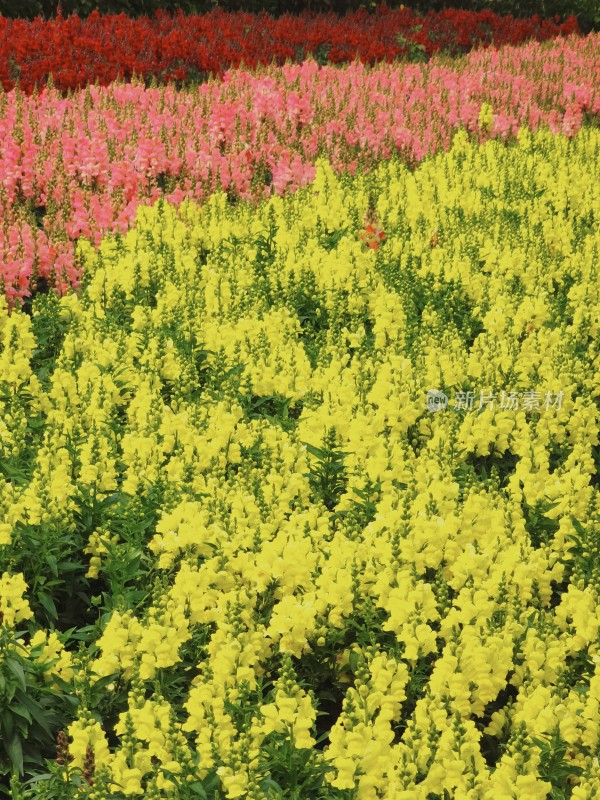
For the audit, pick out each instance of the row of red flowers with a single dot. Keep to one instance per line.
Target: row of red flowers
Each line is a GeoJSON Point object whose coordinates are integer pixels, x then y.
{"type": "Point", "coordinates": [104, 48]}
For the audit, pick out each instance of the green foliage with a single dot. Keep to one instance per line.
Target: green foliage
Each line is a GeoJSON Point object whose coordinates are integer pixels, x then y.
{"type": "Point", "coordinates": [416, 52]}
{"type": "Point", "coordinates": [275, 409]}
{"type": "Point", "coordinates": [61, 782]}
{"type": "Point", "coordinates": [295, 774]}
{"type": "Point", "coordinates": [541, 528]}
{"type": "Point", "coordinates": [49, 329]}
{"type": "Point", "coordinates": [327, 476]}
{"type": "Point", "coordinates": [363, 510]}
{"type": "Point", "coordinates": [31, 712]}
{"type": "Point", "coordinates": [555, 767]}
{"type": "Point", "coordinates": [126, 569]}
{"type": "Point", "coordinates": [312, 313]}
{"type": "Point", "coordinates": [51, 561]}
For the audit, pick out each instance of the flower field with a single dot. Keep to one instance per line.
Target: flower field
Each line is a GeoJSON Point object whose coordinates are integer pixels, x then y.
{"type": "Point", "coordinates": [105, 47]}
{"type": "Point", "coordinates": [82, 165]}
{"type": "Point", "coordinates": [299, 432]}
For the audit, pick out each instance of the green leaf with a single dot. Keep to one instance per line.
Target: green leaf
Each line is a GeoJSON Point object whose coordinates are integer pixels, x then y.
{"type": "Point", "coordinates": [353, 661]}
{"type": "Point", "coordinates": [578, 526]}
{"type": "Point", "coordinates": [35, 710]}
{"type": "Point", "coordinates": [212, 782]}
{"type": "Point", "coordinates": [17, 670]}
{"type": "Point", "coordinates": [43, 776]}
{"type": "Point", "coordinates": [105, 681]}
{"type": "Point", "coordinates": [270, 785]}
{"type": "Point", "coordinates": [315, 451]}
{"type": "Point", "coordinates": [85, 633]}
{"type": "Point", "coordinates": [20, 711]}
{"type": "Point", "coordinates": [15, 753]}
{"type": "Point", "coordinates": [61, 683]}
{"type": "Point", "coordinates": [48, 604]}
{"type": "Point", "coordinates": [51, 561]}
{"type": "Point", "coordinates": [7, 723]}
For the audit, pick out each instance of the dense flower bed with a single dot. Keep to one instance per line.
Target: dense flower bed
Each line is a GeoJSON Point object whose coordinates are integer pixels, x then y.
{"type": "Point", "coordinates": [81, 166]}
{"type": "Point", "coordinates": [278, 568]}
{"type": "Point", "coordinates": [103, 48]}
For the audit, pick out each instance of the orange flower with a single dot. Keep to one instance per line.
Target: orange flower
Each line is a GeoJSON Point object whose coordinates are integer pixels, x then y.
{"type": "Point", "coordinates": [372, 234]}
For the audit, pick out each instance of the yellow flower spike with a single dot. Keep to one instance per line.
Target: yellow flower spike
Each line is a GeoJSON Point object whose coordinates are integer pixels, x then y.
{"type": "Point", "coordinates": [87, 733]}
{"type": "Point", "coordinates": [14, 607]}
{"type": "Point", "coordinates": [53, 653]}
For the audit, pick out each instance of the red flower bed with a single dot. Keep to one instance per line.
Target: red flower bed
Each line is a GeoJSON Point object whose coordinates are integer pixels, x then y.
{"type": "Point", "coordinates": [104, 48]}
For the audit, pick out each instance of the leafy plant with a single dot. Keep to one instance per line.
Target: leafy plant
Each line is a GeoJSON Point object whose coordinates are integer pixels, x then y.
{"type": "Point", "coordinates": [276, 409]}
{"type": "Point", "coordinates": [295, 774]}
{"type": "Point", "coordinates": [416, 52]}
{"type": "Point", "coordinates": [555, 767]}
{"type": "Point", "coordinates": [327, 476]}
{"type": "Point", "coordinates": [322, 54]}
{"type": "Point", "coordinates": [541, 528]}
{"type": "Point", "coordinates": [51, 561]}
{"type": "Point", "coordinates": [31, 711]}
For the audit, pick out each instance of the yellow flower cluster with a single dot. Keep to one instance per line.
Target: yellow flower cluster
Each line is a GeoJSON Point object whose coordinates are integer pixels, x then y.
{"type": "Point", "coordinates": [292, 711]}
{"type": "Point", "coordinates": [87, 732]}
{"type": "Point", "coordinates": [14, 607]}
{"type": "Point", "coordinates": [52, 654]}
{"type": "Point", "coordinates": [251, 385]}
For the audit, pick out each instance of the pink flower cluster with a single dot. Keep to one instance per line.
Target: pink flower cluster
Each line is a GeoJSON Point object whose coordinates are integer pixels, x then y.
{"type": "Point", "coordinates": [81, 166]}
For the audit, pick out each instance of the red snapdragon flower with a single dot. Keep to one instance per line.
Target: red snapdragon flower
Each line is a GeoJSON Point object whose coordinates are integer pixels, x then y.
{"type": "Point", "coordinates": [372, 234]}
